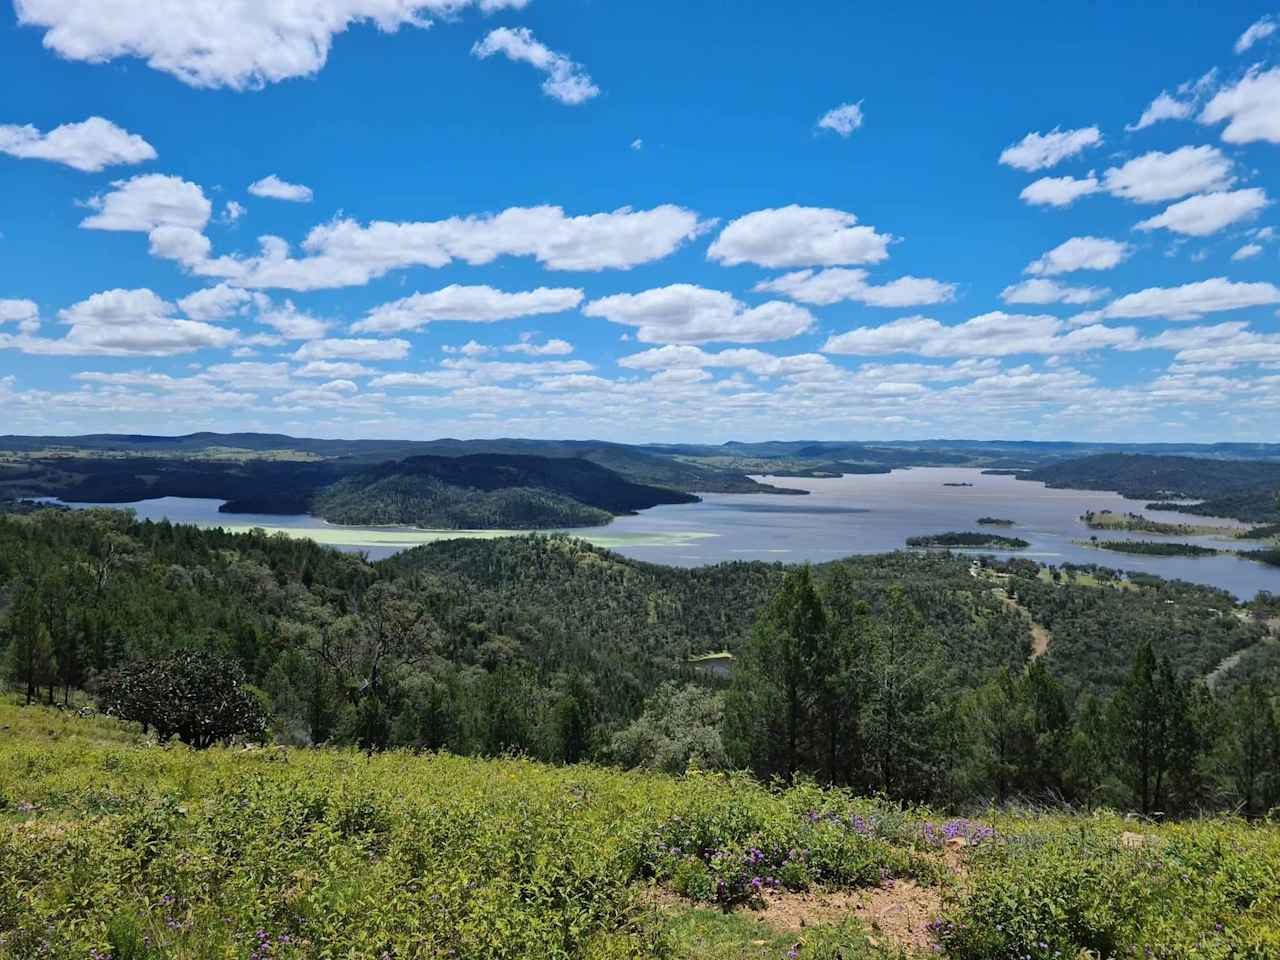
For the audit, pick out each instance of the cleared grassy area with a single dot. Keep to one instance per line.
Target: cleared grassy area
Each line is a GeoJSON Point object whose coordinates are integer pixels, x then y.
{"type": "Point", "coordinates": [111, 846]}
{"type": "Point", "coordinates": [1136, 523]}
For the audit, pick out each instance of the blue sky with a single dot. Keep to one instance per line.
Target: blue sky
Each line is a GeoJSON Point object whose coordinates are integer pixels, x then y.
{"type": "Point", "coordinates": [569, 218]}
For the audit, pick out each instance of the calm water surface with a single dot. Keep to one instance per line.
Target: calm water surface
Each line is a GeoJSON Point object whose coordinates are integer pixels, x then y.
{"type": "Point", "coordinates": [839, 517]}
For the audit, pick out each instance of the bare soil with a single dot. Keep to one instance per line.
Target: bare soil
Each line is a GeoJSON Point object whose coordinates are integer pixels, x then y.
{"type": "Point", "coordinates": [897, 913]}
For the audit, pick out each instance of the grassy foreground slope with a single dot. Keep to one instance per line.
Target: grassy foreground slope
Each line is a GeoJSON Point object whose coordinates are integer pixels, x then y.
{"type": "Point", "coordinates": [113, 847]}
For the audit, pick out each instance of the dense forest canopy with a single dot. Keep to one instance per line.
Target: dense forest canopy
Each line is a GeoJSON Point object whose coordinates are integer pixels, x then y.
{"type": "Point", "coordinates": [552, 647]}
{"type": "Point", "coordinates": [1245, 489]}
{"type": "Point", "coordinates": [490, 491]}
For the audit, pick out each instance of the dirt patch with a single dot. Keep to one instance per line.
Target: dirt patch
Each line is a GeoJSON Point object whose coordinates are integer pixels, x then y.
{"type": "Point", "coordinates": [1040, 636]}
{"type": "Point", "coordinates": [897, 914]}
{"type": "Point", "coordinates": [1039, 640]}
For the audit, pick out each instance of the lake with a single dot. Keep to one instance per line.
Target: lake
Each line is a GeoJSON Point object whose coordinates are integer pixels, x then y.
{"type": "Point", "coordinates": [840, 516]}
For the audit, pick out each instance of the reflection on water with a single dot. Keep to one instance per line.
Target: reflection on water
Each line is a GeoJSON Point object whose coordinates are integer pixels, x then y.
{"type": "Point", "coordinates": [871, 513]}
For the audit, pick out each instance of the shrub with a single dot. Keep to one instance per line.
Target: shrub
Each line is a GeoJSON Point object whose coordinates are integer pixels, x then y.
{"type": "Point", "coordinates": [198, 698]}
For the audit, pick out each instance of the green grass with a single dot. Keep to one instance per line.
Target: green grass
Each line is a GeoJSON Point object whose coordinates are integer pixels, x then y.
{"type": "Point", "coordinates": [715, 935]}
{"type": "Point", "coordinates": [138, 851]}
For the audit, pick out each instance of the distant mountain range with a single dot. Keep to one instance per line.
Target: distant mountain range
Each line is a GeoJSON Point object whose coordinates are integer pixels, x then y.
{"type": "Point", "coordinates": [521, 483]}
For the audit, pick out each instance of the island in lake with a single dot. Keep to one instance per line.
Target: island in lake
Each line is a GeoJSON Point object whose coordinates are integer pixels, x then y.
{"type": "Point", "coordinates": [1136, 523]}
{"type": "Point", "coordinates": [957, 484]}
{"type": "Point", "coordinates": [1153, 549]}
{"type": "Point", "coordinates": [995, 522]}
{"type": "Point", "coordinates": [969, 540]}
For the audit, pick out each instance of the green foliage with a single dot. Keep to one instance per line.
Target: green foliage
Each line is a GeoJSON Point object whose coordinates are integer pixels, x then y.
{"type": "Point", "coordinates": [199, 699]}
{"type": "Point", "coordinates": [1246, 755]}
{"type": "Point", "coordinates": [1245, 489]}
{"type": "Point", "coordinates": [1092, 887]}
{"type": "Point", "coordinates": [1098, 620]}
{"type": "Point", "coordinates": [487, 491]}
{"type": "Point", "coordinates": [828, 687]}
{"type": "Point", "coordinates": [551, 648]}
{"type": "Point", "coordinates": [770, 707]}
{"type": "Point", "coordinates": [991, 540]}
{"type": "Point", "coordinates": [1153, 731]}
{"type": "Point", "coordinates": [426, 502]}
{"type": "Point", "coordinates": [1153, 548]}
{"type": "Point", "coordinates": [112, 847]}
{"type": "Point", "coordinates": [1019, 729]}
{"type": "Point", "coordinates": [678, 731]}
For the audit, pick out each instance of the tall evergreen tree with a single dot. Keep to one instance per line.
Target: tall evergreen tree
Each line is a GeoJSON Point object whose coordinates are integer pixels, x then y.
{"type": "Point", "coordinates": [1249, 750]}
{"type": "Point", "coordinates": [768, 709]}
{"type": "Point", "coordinates": [1043, 761]}
{"type": "Point", "coordinates": [31, 659]}
{"type": "Point", "coordinates": [838, 678]}
{"type": "Point", "coordinates": [1152, 729]}
{"type": "Point", "coordinates": [907, 705]}
{"type": "Point", "coordinates": [1089, 750]}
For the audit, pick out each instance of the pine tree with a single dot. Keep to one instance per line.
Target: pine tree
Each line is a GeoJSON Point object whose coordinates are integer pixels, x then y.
{"type": "Point", "coordinates": [31, 660]}
{"type": "Point", "coordinates": [998, 724]}
{"type": "Point", "coordinates": [768, 711]}
{"type": "Point", "coordinates": [838, 682]}
{"type": "Point", "coordinates": [1088, 753]}
{"type": "Point", "coordinates": [907, 709]}
{"type": "Point", "coordinates": [1153, 730]}
{"type": "Point", "coordinates": [1249, 748]}
{"type": "Point", "coordinates": [1043, 762]}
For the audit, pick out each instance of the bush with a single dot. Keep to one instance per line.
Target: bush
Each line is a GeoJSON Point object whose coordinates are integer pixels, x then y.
{"type": "Point", "coordinates": [195, 697]}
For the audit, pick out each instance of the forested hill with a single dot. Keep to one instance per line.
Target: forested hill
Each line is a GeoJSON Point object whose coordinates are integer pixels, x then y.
{"type": "Point", "coordinates": [551, 647]}
{"type": "Point", "coordinates": [117, 468]}
{"type": "Point", "coordinates": [487, 491]}
{"type": "Point", "coordinates": [1245, 489]}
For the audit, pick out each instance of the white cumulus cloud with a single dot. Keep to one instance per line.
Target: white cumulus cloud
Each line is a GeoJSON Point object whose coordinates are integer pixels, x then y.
{"type": "Point", "coordinates": [838, 284]}
{"type": "Point", "coordinates": [1251, 108]}
{"type": "Point", "coordinates": [1159, 176]}
{"type": "Point", "coordinates": [798, 236]}
{"type": "Point", "coordinates": [1080, 253]}
{"type": "Point", "coordinates": [353, 350]}
{"type": "Point", "coordinates": [1167, 106]}
{"type": "Point", "coordinates": [1208, 213]}
{"type": "Point", "coordinates": [1189, 301]}
{"type": "Point", "coordinates": [548, 348]}
{"type": "Point", "coordinates": [1059, 191]}
{"type": "Point", "coordinates": [276, 189]}
{"type": "Point", "coordinates": [469, 304]}
{"type": "Point", "coordinates": [21, 311]}
{"type": "Point", "coordinates": [90, 146]}
{"type": "Point", "coordinates": [1039, 151]}
{"type": "Point", "coordinates": [1163, 107]}
{"type": "Point", "coordinates": [292, 323]}
{"type": "Point", "coordinates": [345, 253]}
{"type": "Point", "coordinates": [995, 334]}
{"type": "Point", "coordinates": [146, 202]}
{"type": "Point", "coordinates": [1043, 290]}
{"type": "Point", "coordinates": [219, 43]}
{"type": "Point", "coordinates": [683, 313]}
{"type": "Point", "coordinates": [220, 302]}
{"type": "Point", "coordinates": [124, 323]}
